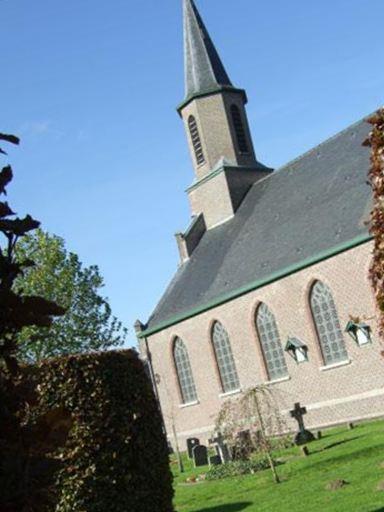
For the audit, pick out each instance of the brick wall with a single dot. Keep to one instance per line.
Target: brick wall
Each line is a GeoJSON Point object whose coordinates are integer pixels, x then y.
{"type": "Point", "coordinates": [332, 395]}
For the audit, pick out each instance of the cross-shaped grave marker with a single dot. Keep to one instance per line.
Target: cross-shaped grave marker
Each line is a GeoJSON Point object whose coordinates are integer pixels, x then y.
{"type": "Point", "coordinates": [303, 436]}
{"type": "Point", "coordinates": [221, 448]}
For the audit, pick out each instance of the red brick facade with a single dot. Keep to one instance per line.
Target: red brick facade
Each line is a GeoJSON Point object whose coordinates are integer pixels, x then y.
{"type": "Point", "coordinates": [342, 393]}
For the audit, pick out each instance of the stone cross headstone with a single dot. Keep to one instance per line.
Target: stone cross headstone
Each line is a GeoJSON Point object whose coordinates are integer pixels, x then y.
{"type": "Point", "coordinates": [200, 455]}
{"type": "Point", "coordinates": [303, 436]}
{"type": "Point", "coordinates": [191, 443]}
{"type": "Point", "coordinates": [221, 448]}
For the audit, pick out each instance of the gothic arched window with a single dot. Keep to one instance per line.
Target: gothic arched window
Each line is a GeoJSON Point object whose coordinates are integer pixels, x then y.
{"type": "Point", "coordinates": [196, 141]}
{"type": "Point", "coordinates": [327, 324]}
{"type": "Point", "coordinates": [224, 358]}
{"type": "Point", "coordinates": [239, 129]}
{"type": "Point", "coordinates": [184, 372]}
{"type": "Point", "coordinates": [270, 343]}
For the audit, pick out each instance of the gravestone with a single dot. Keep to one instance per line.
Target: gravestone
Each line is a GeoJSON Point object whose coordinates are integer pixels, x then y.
{"type": "Point", "coordinates": [170, 448]}
{"type": "Point", "coordinates": [303, 436]}
{"type": "Point", "coordinates": [244, 446]}
{"type": "Point", "coordinates": [191, 443]}
{"type": "Point", "coordinates": [215, 460]}
{"type": "Point", "coordinates": [221, 448]}
{"type": "Point", "coordinates": [200, 455]}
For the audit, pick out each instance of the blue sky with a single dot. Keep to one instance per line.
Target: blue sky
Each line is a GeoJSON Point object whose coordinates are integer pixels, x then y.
{"type": "Point", "coordinates": [92, 86]}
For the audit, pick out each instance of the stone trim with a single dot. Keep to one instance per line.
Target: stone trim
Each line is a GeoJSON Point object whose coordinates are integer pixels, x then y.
{"type": "Point", "coordinates": [189, 404]}
{"type": "Point", "coordinates": [336, 365]}
{"type": "Point", "coordinates": [231, 393]}
{"type": "Point", "coordinates": [278, 381]}
{"type": "Point", "coordinates": [353, 398]}
{"type": "Point", "coordinates": [319, 405]}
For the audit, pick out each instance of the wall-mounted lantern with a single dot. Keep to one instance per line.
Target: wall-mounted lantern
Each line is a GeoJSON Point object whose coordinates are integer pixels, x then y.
{"type": "Point", "coordinates": [297, 349]}
{"type": "Point", "coordinates": [359, 332]}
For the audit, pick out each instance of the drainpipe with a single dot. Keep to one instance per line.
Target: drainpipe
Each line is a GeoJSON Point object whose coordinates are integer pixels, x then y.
{"type": "Point", "coordinates": [146, 356]}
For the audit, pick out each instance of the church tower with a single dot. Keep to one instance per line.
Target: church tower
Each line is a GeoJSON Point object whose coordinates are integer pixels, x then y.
{"type": "Point", "coordinates": [218, 134]}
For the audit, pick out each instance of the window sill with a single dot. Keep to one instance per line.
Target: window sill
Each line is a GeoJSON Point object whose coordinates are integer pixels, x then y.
{"type": "Point", "coordinates": [190, 404]}
{"type": "Point", "coordinates": [230, 393]}
{"type": "Point", "coordinates": [364, 345]}
{"type": "Point", "coordinates": [336, 365]}
{"type": "Point", "coordinates": [277, 381]}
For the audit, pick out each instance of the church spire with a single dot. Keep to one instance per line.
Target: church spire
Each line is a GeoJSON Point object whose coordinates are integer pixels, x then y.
{"type": "Point", "coordinates": [218, 134]}
{"type": "Point", "coordinates": [204, 71]}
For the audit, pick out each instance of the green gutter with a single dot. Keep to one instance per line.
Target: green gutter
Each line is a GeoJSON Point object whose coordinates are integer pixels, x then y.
{"type": "Point", "coordinates": [275, 276]}
{"type": "Point", "coordinates": [209, 92]}
{"type": "Point", "coordinates": [258, 167]}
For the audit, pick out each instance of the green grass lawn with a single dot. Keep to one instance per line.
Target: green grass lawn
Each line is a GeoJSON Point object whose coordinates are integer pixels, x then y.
{"type": "Point", "coordinates": [356, 456]}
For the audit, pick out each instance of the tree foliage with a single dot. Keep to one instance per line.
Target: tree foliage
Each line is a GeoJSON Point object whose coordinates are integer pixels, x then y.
{"type": "Point", "coordinates": [81, 433]}
{"type": "Point", "coordinates": [256, 414]}
{"type": "Point", "coordinates": [24, 467]}
{"type": "Point", "coordinates": [376, 176]}
{"type": "Point", "coordinates": [60, 276]}
{"type": "Point", "coordinates": [17, 309]}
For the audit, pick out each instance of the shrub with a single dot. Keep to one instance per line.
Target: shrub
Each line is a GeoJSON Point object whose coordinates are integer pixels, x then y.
{"type": "Point", "coordinates": [238, 468]}
{"type": "Point", "coordinates": [116, 456]}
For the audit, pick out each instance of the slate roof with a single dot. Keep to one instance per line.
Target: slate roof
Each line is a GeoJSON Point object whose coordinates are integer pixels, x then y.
{"type": "Point", "coordinates": [319, 201]}
{"type": "Point", "coordinates": [204, 70]}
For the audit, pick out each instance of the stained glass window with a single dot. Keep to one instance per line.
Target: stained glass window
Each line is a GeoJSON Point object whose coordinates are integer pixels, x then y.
{"type": "Point", "coordinates": [196, 141]}
{"type": "Point", "coordinates": [224, 358]}
{"type": "Point", "coordinates": [184, 372]}
{"type": "Point", "coordinates": [239, 129]}
{"type": "Point", "coordinates": [327, 324]}
{"type": "Point", "coordinates": [270, 343]}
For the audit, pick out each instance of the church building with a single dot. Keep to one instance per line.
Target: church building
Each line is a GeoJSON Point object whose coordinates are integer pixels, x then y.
{"type": "Point", "coordinates": [273, 283]}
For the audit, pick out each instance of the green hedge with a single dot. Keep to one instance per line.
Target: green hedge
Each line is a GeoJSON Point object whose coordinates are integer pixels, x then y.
{"type": "Point", "coordinates": [116, 457]}
{"type": "Point", "coordinates": [238, 468]}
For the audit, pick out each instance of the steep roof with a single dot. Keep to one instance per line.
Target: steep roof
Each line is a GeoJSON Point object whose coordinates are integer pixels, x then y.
{"type": "Point", "coordinates": [204, 70]}
{"type": "Point", "coordinates": [316, 204]}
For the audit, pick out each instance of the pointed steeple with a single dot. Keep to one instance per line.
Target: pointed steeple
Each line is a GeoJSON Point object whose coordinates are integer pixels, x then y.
{"type": "Point", "coordinates": [204, 71]}
{"type": "Point", "coordinates": [218, 134]}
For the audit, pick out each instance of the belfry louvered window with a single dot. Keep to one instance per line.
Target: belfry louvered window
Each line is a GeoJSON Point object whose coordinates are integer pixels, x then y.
{"type": "Point", "coordinates": [327, 324]}
{"type": "Point", "coordinates": [270, 343]}
{"type": "Point", "coordinates": [196, 141]}
{"type": "Point", "coordinates": [184, 372]}
{"type": "Point", "coordinates": [224, 358]}
{"type": "Point", "coordinates": [239, 129]}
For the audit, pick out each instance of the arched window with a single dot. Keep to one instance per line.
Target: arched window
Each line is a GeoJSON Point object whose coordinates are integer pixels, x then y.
{"type": "Point", "coordinates": [327, 324]}
{"type": "Point", "coordinates": [270, 343]}
{"type": "Point", "coordinates": [239, 129]}
{"type": "Point", "coordinates": [184, 372]}
{"type": "Point", "coordinates": [224, 358]}
{"type": "Point", "coordinates": [196, 141]}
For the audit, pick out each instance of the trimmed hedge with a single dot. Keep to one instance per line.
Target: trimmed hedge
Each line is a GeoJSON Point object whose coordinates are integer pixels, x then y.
{"type": "Point", "coordinates": [115, 458]}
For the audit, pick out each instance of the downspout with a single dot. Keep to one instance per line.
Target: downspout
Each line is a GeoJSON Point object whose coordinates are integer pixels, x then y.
{"type": "Point", "coordinates": [146, 356]}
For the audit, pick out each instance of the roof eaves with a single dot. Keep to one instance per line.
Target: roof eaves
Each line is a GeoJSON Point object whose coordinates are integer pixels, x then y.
{"type": "Point", "coordinates": [210, 92]}
{"type": "Point", "coordinates": [271, 278]}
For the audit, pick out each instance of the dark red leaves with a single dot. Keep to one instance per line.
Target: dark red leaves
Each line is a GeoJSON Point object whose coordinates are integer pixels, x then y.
{"type": "Point", "coordinates": [375, 140]}
{"type": "Point", "coordinates": [9, 138]}
{"type": "Point", "coordinates": [6, 176]}
{"type": "Point", "coordinates": [19, 311]}
{"type": "Point", "coordinates": [5, 210]}
{"type": "Point", "coordinates": [19, 227]}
